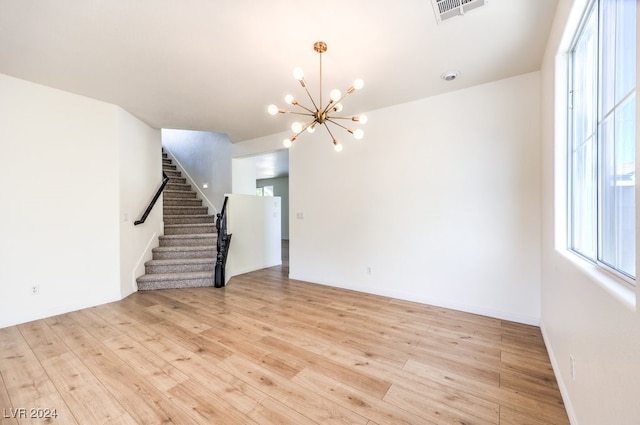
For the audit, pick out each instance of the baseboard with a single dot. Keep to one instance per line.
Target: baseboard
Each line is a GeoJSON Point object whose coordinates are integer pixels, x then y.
{"type": "Point", "coordinates": [138, 269]}
{"type": "Point", "coordinates": [556, 371]}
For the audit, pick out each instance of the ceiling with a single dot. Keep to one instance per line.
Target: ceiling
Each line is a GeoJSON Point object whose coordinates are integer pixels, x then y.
{"type": "Point", "coordinates": [215, 65]}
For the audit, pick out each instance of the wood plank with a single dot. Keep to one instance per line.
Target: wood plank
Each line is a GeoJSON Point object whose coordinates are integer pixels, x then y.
{"type": "Point", "coordinates": [312, 406]}
{"type": "Point", "coordinates": [361, 403]}
{"type": "Point", "coordinates": [6, 408]}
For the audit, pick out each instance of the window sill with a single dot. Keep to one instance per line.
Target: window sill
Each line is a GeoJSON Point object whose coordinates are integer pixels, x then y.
{"type": "Point", "coordinates": [612, 284]}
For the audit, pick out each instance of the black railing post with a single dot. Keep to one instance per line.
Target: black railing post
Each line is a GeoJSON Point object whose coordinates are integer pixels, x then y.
{"type": "Point", "coordinates": [224, 240]}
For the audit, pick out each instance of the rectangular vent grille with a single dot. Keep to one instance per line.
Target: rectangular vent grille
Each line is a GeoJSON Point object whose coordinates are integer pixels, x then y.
{"type": "Point", "coordinates": [446, 9]}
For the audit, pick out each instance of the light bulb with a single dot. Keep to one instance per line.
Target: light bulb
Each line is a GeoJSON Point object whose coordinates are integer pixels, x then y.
{"type": "Point", "coordinates": [337, 146]}
{"type": "Point", "coordinates": [296, 127]}
{"type": "Point", "coordinates": [311, 128]}
{"type": "Point", "coordinates": [289, 99]}
{"type": "Point", "coordinates": [358, 134]}
{"type": "Point", "coordinates": [335, 95]}
{"type": "Point", "coordinates": [272, 109]}
{"type": "Point", "coordinates": [298, 74]}
{"type": "Point", "coordinates": [286, 143]}
{"type": "Point", "coordinates": [362, 119]}
{"type": "Point", "coordinates": [338, 107]}
{"type": "Point", "coordinates": [358, 84]}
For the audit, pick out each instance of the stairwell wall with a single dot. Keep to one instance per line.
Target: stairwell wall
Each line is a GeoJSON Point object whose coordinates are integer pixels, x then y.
{"type": "Point", "coordinates": [60, 213]}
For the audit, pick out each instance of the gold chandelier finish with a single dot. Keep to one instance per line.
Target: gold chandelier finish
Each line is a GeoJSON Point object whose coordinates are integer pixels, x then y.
{"type": "Point", "coordinates": [320, 114]}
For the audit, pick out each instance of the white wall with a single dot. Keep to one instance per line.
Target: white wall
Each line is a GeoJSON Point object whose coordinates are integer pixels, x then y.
{"type": "Point", "coordinates": [244, 176]}
{"type": "Point", "coordinates": [140, 177]}
{"type": "Point", "coordinates": [586, 314]}
{"type": "Point", "coordinates": [60, 203]}
{"type": "Point", "coordinates": [440, 201]}
{"type": "Point", "coordinates": [281, 189]}
{"type": "Point", "coordinates": [204, 158]}
{"type": "Point", "coordinates": [254, 222]}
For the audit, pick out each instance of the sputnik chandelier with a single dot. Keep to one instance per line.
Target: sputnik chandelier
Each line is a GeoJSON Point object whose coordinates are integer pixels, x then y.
{"type": "Point", "coordinates": [320, 114]}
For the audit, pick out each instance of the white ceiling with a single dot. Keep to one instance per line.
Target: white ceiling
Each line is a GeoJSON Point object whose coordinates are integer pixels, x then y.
{"type": "Point", "coordinates": [214, 65]}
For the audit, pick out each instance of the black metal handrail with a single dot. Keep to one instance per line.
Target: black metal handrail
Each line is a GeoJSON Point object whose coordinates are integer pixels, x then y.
{"type": "Point", "coordinates": [224, 240]}
{"type": "Point", "coordinates": [165, 180]}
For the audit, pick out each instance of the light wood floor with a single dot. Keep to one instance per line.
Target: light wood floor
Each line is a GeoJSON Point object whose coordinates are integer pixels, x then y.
{"type": "Point", "coordinates": [269, 350]}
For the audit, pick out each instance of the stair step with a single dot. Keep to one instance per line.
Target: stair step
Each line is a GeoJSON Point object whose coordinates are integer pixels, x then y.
{"type": "Point", "coordinates": [177, 186]}
{"type": "Point", "coordinates": [174, 252]}
{"type": "Point", "coordinates": [181, 202]}
{"type": "Point", "coordinates": [178, 180]}
{"type": "Point", "coordinates": [173, 173]}
{"type": "Point", "coordinates": [174, 280]}
{"type": "Point", "coordinates": [181, 265]}
{"type": "Point", "coordinates": [175, 194]}
{"type": "Point", "coordinates": [205, 239]}
{"type": "Point", "coordinates": [166, 161]}
{"type": "Point", "coordinates": [184, 210]}
{"type": "Point", "coordinates": [164, 155]}
{"type": "Point", "coordinates": [189, 229]}
{"type": "Point", "coordinates": [189, 219]}
{"type": "Point", "coordinates": [169, 167]}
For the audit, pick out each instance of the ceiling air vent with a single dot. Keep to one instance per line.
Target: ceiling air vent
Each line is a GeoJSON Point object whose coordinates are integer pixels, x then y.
{"type": "Point", "coordinates": [446, 9]}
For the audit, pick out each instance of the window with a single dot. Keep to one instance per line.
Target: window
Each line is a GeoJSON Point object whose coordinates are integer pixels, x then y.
{"type": "Point", "coordinates": [265, 191]}
{"type": "Point", "coordinates": [602, 140]}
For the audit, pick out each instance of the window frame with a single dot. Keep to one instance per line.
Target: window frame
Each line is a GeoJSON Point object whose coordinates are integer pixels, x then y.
{"type": "Point", "coordinates": [593, 7]}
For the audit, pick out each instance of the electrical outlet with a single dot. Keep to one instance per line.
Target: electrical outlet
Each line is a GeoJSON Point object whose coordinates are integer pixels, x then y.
{"type": "Point", "coordinates": [369, 270]}
{"type": "Point", "coordinates": [35, 289]}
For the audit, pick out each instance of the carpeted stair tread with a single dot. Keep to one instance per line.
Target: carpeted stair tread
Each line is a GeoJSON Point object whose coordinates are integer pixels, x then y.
{"type": "Point", "coordinates": [189, 228]}
{"type": "Point", "coordinates": [182, 248]}
{"type": "Point", "coordinates": [185, 210]}
{"type": "Point", "coordinates": [174, 276]}
{"type": "Point", "coordinates": [193, 236]}
{"type": "Point", "coordinates": [188, 225]}
{"type": "Point", "coordinates": [206, 239]}
{"type": "Point", "coordinates": [173, 261]}
{"type": "Point", "coordinates": [175, 280]}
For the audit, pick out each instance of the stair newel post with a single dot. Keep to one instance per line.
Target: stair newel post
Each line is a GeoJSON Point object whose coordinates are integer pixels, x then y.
{"type": "Point", "coordinates": [223, 242]}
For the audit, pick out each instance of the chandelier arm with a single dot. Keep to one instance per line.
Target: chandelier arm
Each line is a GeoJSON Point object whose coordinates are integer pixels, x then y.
{"type": "Point", "coordinates": [330, 133]}
{"type": "Point", "coordinates": [301, 113]}
{"type": "Point", "coordinates": [305, 108]}
{"type": "Point", "coordinates": [338, 124]}
{"type": "Point", "coordinates": [348, 92]}
{"type": "Point", "coordinates": [342, 118]}
{"type": "Point", "coordinates": [303, 130]}
{"type": "Point", "coordinates": [309, 94]}
{"type": "Point", "coordinates": [326, 109]}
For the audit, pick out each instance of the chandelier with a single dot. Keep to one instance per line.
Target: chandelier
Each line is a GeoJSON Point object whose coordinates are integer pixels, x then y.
{"type": "Point", "coordinates": [320, 114]}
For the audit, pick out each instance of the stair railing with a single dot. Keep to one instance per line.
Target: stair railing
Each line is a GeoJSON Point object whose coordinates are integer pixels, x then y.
{"type": "Point", "coordinates": [224, 240]}
{"type": "Point", "coordinates": [165, 180]}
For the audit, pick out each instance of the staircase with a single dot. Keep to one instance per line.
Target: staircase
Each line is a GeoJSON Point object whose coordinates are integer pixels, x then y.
{"type": "Point", "coordinates": [186, 256]}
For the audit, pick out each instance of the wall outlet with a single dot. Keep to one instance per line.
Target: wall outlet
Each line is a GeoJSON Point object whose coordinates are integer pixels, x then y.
{"type": "Point", "coordinates": [300, 216]}
{"type": "Point", "coordinates": [35, 289]}
{"type": "Point", "coordinates": [572, 361]}
{"type": "Point", "coordinates": [369, 270]}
